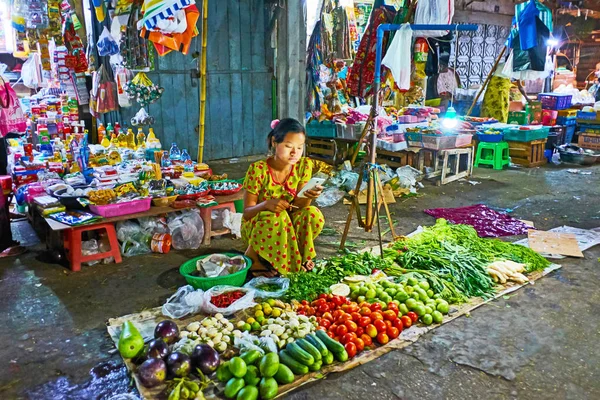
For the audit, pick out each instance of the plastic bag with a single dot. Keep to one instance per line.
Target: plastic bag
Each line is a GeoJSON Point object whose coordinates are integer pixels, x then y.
{"type": "Point", "coordinates": [107, 45]}
{"type": "Point", "coordinates": [153, 225]}
{"type": "Point", "coordinates": [135, 241]}
{"type": "Point", "coordinates": [88, 248]}
{"type": "Point", "coordinates": [244, 302]}
{"type": "Point", "coordinates": [233, 222]}
{"type": "Point", "coordinates": [395, 57]}
{"type": "Point", "coordinates": [330, 196]}
{"type": "Point", "coordinates": [185, 301]}
{"type": "Point", "coordinates": [436, 12]}
{"type": "Point", "coordinates": [187, 230]}
{"type": "Point", "coordinates": [122, 74]}
{"type": "Point", "coordinates": [255, 283]}
{"type": "Point", "coordinates": [104, 247]}
{"type": "Point", "coordinates": [247, 342]}
{"type": "Point", "coordinates": [408, 177]}
{"type": "Point", "coordinates": [30, 71]}
{"type": "Point", "coordinates": [142, 118]}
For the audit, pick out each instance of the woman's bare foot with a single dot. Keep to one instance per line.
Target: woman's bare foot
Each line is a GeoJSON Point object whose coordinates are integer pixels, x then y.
{"type": "Point", "coordinates": [258, 268]}
{"type": "Point", "coordinates": [308, 265]}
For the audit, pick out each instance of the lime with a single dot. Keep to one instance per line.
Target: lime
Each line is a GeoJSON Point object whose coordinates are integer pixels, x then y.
{"type": "Point", "coordinates": [255, 326]}
{"type": "Point", "coordinates": [246, 327]}
{"type": "Point", "coordinates": [260, 319]}
{"type": "Point", "coordinates": [424, 285]}
{"type": "Point", "coordinates": [427, 319]}
{"type": "Point", "coordinates": [437, 317]}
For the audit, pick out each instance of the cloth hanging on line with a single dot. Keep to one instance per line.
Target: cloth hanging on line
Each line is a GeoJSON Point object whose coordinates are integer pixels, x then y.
{"type": "Point", "coordinates": [527, 26]}
{"type": "Point", "coordinates": [396, 58]}
{"type": "Point", "coordinates": [437, 12]}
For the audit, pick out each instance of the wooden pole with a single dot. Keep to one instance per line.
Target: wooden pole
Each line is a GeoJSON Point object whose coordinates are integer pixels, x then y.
{"type": "Point", "coordinates": [202, 89]}
{"type": "Point", "coordinates": [487, 80]}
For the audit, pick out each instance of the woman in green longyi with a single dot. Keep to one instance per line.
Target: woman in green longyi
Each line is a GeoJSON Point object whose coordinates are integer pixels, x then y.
{"type": "Point", "coordinates": [278, 226]}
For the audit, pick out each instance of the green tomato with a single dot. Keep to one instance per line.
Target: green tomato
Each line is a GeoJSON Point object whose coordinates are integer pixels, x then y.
{"type": "Point", "coordinates": [360, 299]}
{"type": "Point", "coordinates": [370, 294]}
{"type": "Point", "coordinates": [430, 293]}
{"type": "Point", "coordinates": [424, 285]}
{"type": "Point", "coordinates": [403, 309]}
{"type": "Point", "coordinates": [428, 310]}
{"type": "Point", "coordinates": [420, 310]}
{"type": "Point", "coordinates": [443, 308]}
{"type": "Point", "coordinates": [427, 319]}
{"type": "Point", "coordinates": [437, 317]}
{"type": "Point", "coordinates": [411, 303]}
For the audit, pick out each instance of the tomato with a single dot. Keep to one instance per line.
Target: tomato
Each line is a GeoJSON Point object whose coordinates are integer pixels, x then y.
{"type": "Point", "coordinates": [323, 308]}
{"type": "Point", "coordinates": [304, 302]}
{"type": "Point", "coordinates": [380, 325]}
{"type": "Point", "coordinates": [383, 338]}
{"type": "Point", "coordinates": [365, 304]}
{"type": "Point", "coordinates": [325, 323]}
{"type": "Point", "coordinates": [341, 330]}
{"type": "Point", "coordinates": [330, 334]}
{"type": "Point", "coordinates": [355, 317]}
{"type": "Point", "coordinates": [329, 296]}
{"type": "Point", "coordinates": [301, 312]}
{"type": "Point", "coordinates": [350, 349]}
{"type": "Point", "coordinates": [359, 331]}
{"type": "Point", "coordinates": [397, 323]}
{"type": "Point", "coordinates": [365, 311]}
{"type": "Point", "coordinates": [371, 330]}
{"type": "Point", "coordinates": [347, 338]}
{"type": "Point", "coordinates": [351, 325]}
{"type": "Point", "coordinates": [345, 307]}
{"type": "Point", "coordinates": [360, 345]}
{"type": "Point", "coordinates": [376, 315]}
{"type": "Point", "coordinates": [337, 314]}
{"type": "Point", "coordinates": [367, 340]}
{"type": "Point", "coordinates": [393, 332]}
{"type": "Point", "coordinates": [336, 338]}
{"type": "Point", "coordinates": [323, 296]}
{"type": "Point", "coordinates": [327, 316]}
{"type": "Point", "coordinates": [364, 321]}
{"type": "Point", "coordinates": [388, 323]}
{"type": "Point", "coordinates": [343, 318]}
{"type": "Point", "coordinates": [337, 300]}
{"type": "Point", "coordinates": [375, 307]}
{"type": "Point", "coordinates": [390, 315]}
{"type": "Point", "coordinates": [406, 321]}
{"type": "Point", "coordinates": [393, 306]}
{"type": "Point", "coordinates": [353, 307]}
{"type": "Point", "coordinates": [318, 302]}
{"type": "Point", "coordinates": [413, 316]}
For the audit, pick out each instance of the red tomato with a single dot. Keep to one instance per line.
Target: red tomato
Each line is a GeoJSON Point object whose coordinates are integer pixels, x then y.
{"type": "Point", "coordinates": [376, 315]}
{"type": "Point", "coordinates": [413, 316]}
{"type": "Point", "coordinates": [397, 323]}
{"type": "Point", "coordinates": [365, 311]}
{"type": "Point", "coordinates": [328, 316]}
{"type": "Point", "coordinates": [367, 340]}
{"type": "Point", "coordinates": [325, 323]}
{"type": "Point", "coordinates": [330, 334]}
{"type": "Point", "coordinates": [353, 307]}
{"type": "Point", "coordinates": [323, 296]}
{"type": "Point", "coordinates": [323, 308]}
{"type": "Point", "coordinates": [371, 330]}
{"type": "Point", "coordinates": [360, 345]}
{"type": "Point", "coordinates": [350, 349]}
{"type": "Point", "coordinates": [359, 331]}
{"type": "Point", "coordinates": [301, 312]}
{"type": "Point", "coordinates": [375, 307]}
{"type": "Point", "coordinates": [336, 338]}
{"type": "Point", "coordinates": [355, 317]}
{"type": "Point", "coordinates": [318, 302]}
{"type": "Point", "coordinates": [364, 321]}
{"type": "Point", "coordinates": [347, 338]}
{"type": "Point", "coordinates": [351, 325]}
{"type": "Point", "coordinates": [380, 325]}
{"type": "Point", "coordinates": [390, 315]}
{"type": "Point", "coordinates": [329, 296]}
{"type": "Point", "coordinates": [392, 332]}
{"type": "Point", "coordinates": [337, 314]}
{"type": "Point", "coordinates": [365, 304]}
{"type": "Point", "coordinates": [388, 323]}
{"type": "Point", "coordinates": [406, 321]}
{"type": "Point", "coordinates": [383, 338]}
{"type": "Point", "coordinates": [341, 330]}
{"type": "Point", "coordinates": [392, 306]}
{"type": "Point", "coordinates": [338, 300]}
{"type": "Point", "coordinates": [304, 302]}
{"type": "Point", "coordinates": [345, 307]}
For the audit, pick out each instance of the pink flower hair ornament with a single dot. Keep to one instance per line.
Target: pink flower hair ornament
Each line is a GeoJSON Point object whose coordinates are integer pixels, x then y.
{"type": "Point", "coordinates": [274, 123]}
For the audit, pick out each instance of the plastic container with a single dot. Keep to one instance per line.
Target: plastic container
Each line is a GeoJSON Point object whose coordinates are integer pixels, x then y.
{"type": "Point", "coordinates": [549, 117]}
{"type": "Point", "coordinates": [555, 101]}
{"type": "Point", "coordinates": [569, 132]}
{"type": "Point", "coordinates": [235, 279]}
{"type": "Point", "coordinates": [163, 201]}
{"type": "Point", "coordinates": [70, 202]}
{"type": "Point", "coordinates": [464, 139]}
{"type": "Point", "coordinates": [225, 192]}
{"type": "Point", "coordinates": [526, 135]}
{"type": "Point", "coordinates": [414, 139]}
{"type": "Point", "coordinates": [324, 129]}
{"type": "Point", "coordinates": [489, 138]}
{"type": "Point", "coordinates": [118, 209]}
{"type": "Point", "coordinates": [566, 121]}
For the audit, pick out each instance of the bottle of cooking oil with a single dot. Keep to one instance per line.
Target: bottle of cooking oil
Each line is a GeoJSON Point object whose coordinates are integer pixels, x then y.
{"type": "Point", "coordinates": [141, 138]}
{"type": "Point", "coordinates": [114, 141]}
{"type": "Point", "coordinates": [122, 138]}
{"type": "Point", "coordinates": [130, 139]}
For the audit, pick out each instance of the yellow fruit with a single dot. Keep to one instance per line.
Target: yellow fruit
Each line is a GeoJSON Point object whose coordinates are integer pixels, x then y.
{"type": "Point", "coordinates": [276, 313]}
{"type": "Point", "coordinates": [258, 307]}
{"type": "Point", "coordinates": [271, 302]}
{"type": "Point", "coordinates": [267, 311]}
{"type": "Point", "coordinates": [259, 314]}
{"type": "Point", "coordinates": [250, 320]}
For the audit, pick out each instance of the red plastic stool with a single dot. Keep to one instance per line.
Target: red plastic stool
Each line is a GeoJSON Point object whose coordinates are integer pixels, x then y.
{"type": "Point", "coordinates": [72, 241]}
{"type": "Point", "coordinates": [206, 215]}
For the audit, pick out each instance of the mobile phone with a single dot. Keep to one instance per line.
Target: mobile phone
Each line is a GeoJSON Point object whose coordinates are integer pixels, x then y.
{"type": "Point", "coordinates": [314, 182]}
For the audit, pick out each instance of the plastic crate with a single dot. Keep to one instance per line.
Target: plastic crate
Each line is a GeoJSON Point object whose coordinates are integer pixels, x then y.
{"type": "Point", "coordinates": [569, 132]}
{"type": "Point", "coordinates": [555, 101]}
{"type": "Point", "coordinates": [464, 139]}
{"type": "Point", "coordinates": [567, 113]}
{"type": "Point", "coordinates": [549, 117]}
{"type": "Point", "coordinates": [526, 135]}
{"type": "Point", "coordinates": [518, 117]}
{"type": "Point", "coordinates": [118, 209]}
{"type": "Point", "coordinates": [566, 121]}
{"type": "Point", "coordinates": [489, 138]}
{"type": "Point", "coordinates": [587, 117]}
{"type": "Point", "coordinates": [439, 142]}
{"type": "Point", "coordinates": [414, 139]}
{"type": "Point", "coordinates": [324, 129]}
{"type": "Point", "coordinates": [198, 282]}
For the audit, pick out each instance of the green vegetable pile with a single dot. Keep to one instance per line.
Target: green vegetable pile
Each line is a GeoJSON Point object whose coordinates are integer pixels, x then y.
{"type": "Point", "coordinates": [454, 259]}
{"type": "Point", "coordinates": [308, 285]}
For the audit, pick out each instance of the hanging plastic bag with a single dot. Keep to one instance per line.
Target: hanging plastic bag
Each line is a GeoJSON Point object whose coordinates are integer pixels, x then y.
{"type": "Point", "coordinates": [105, 97]}
{"type": "Point", "coordinates": [433, 12]}
{"type": "Point", "coordinates": [396, 58]}
{"type": "Point", "coordinates": [107, 45]}
{"type": "Point", "coordinates": [143, 90]}
{"type": "Point", "coordinates": [263, 285]}
{"type": "Point", "coordinates": [242, 303]}
{"type": "Point", "coordinates": [12, 118]}
{"type": "Point", "coordinates": [122, 75]}
{"type": "Point", "coordinates": [142, 118]}
{"type": "Point", "coordinates": [31, 71]}
{"type": "Point", "coordinates": [185, 301]}
{"type": "Point", "coordinates": [187, 230]}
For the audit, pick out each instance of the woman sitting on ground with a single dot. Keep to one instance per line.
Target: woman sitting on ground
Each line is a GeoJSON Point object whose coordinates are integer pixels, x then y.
{"type": "Point", "coordinates": [278, 226]}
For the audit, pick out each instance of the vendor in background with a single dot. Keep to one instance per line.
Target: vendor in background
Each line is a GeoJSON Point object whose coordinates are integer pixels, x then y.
{"type": "Point", "coordinates": [279, 227]}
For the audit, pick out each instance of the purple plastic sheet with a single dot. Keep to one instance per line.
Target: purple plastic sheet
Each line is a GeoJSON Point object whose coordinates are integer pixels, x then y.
{"type": "Point", "coordinates": [487, 222]}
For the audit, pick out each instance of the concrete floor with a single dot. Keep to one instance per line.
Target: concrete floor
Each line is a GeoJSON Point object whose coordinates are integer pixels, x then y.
{"type": "Point", "coordinates": [540, 342]}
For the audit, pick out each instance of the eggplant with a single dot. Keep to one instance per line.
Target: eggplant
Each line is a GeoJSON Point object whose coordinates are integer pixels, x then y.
{"type": "Point", "coordinates": [167, 330]}
{"type": "Point", "coordinates": [205, 358]}
{"type": "Point", "coordinates": [152, 372]}
{"type": "Point", "coordinates": [157, 348]}
{"type": "Point", "coordinates": [179, 364]}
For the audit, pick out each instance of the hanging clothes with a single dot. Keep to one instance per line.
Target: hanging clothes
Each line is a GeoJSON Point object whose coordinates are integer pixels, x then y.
{"type": "Point", "coordinates": [342, 44]}
{"type": "Point", "coordinates": [396, 57]}
{"type": "Point", "coordinates": [438, 58]}
{"type": "Point", "coordinates": [362, 73]}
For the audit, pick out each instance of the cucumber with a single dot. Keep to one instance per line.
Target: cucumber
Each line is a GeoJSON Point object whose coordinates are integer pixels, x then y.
{"type": "Point", "coordinates": [316, 366]}
{"type": "Point", "coordinates": [299, 355]}
{"type": "Point", "coordinates": [341, 357]}
{"type": "Point", "coordinates": [331, 344]}
{"type": "Point", "coordinates": [315, 341]}
{"type": "Point", "coordinates": [328, 359]}
{"type": "Point", "coordinates": [309, 348]}
{"type": "Point", "coordinates": [289, 361]}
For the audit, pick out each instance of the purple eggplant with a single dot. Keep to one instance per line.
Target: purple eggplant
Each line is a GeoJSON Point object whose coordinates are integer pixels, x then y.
{"type": "Point", "coordinates": [152, 372]}
{"type": "Point", "coordinates": [179, 364]}
{"type": "Point", "coordinates": [205, 358]}
{"type": "Point", "coordinates": [167, 330]}
{"type": "Point", "coordinates": [157, 348]}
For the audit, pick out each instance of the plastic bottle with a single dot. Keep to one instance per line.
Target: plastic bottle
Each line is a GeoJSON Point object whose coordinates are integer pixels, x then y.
{"type": "Point", "coordinates": [166, 162]}
{"type": "Point", "coordinates": [185, 157]}
{"type": "Point", "coordinates": [122, 138]}
{"type": "Point", "coordinates": [101, 132]}
{"type": "Point", "coordinates": [175, 153]}
{"type": "Point", "coordinates": [130, 139]}
{"type": "Point", "coordinates": [114, 141]}
{"type": "Point", "coordinates": [117, 128]}
{"type": "Point", "coordinates": [109, 130]}
{"type": "Point", "coordinates": [141, 138]}
{"type": "Point", "coordinates": [105, 142]}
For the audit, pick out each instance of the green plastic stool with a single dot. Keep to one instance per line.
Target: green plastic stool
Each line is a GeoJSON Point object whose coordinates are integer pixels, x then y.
{"type": "Point", "coordinates": [494, 154]}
